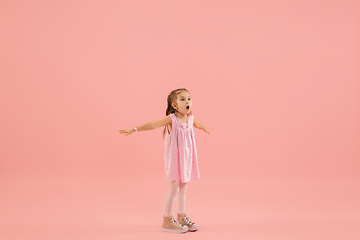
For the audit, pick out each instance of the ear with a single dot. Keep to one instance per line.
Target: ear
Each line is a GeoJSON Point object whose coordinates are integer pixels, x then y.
{"type": "Point", "coordinates": [173, 105]}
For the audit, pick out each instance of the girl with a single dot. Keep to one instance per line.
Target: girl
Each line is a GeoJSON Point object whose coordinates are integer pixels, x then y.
{"type": "Point", "coordinates": [181, 164]}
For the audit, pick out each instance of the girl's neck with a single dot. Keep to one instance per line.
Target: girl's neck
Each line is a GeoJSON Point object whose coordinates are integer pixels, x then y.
{"type": "Point", "coordinates": [182, 117]}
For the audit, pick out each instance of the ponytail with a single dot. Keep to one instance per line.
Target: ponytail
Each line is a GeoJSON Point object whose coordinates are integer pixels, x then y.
{"type": "Point", "coordinates": [170, 109]}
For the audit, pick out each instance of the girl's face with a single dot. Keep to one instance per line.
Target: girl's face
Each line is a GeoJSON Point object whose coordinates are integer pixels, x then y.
{"type": "Point", "coordinates": [183, 103]}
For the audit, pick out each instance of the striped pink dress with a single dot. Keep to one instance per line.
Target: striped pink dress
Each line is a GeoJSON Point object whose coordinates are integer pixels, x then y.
{"type": "Point", "coordinates": [181, 161]}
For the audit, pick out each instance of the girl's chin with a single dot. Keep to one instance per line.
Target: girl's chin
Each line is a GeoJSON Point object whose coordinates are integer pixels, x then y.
{"type": "Point", "coordinates": [185, 113]}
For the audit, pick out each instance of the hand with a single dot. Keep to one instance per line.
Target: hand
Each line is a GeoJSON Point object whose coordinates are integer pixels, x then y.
{"type": "Point", "coordinates": [127, 131]}
{"type": "Point", "coordinates": [206, 128]}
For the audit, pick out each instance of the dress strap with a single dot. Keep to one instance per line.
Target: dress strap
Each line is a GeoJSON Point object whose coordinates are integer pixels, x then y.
{"type": "Point", "coordinates": [174, 120]}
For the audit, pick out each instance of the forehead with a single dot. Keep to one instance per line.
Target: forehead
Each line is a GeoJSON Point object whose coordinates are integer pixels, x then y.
{"type": "Point", "coordinates": [183, 94]}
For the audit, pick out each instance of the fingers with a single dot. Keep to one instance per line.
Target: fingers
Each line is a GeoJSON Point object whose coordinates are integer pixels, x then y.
{"type": "Point", "coordinates": [124, 131]}
{"type": "Point", "coordinates": [207, 130]}
{"type": "Point", "coordinates": [127, 131]}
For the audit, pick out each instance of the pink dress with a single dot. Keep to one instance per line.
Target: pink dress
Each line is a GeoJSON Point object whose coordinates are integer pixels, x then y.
{"type": "Point", "coordinates": [181, 161]}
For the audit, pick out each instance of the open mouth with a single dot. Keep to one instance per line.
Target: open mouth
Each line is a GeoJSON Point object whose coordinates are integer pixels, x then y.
{"type": "Point", "coordinates": [187, 107]}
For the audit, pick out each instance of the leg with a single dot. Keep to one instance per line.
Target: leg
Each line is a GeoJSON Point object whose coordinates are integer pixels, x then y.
{"type": "Point", "coordinates": [181, 200]}
{"type": "Point", "coordinates": [170, 199]}
{"type": "Point", "coordinates": [182, 218]}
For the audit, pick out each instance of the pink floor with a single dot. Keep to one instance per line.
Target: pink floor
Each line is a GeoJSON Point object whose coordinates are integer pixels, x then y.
{"type": "Point", "coordinates": [116, 208]}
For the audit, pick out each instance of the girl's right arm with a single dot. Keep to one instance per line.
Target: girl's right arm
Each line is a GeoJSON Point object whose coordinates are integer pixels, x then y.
{"type": "Point", "coordinates": [148, 126]}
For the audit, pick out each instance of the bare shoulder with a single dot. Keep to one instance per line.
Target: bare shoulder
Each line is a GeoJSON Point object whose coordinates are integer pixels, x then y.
{"type": "Point", "coordinates": [166, 120]}
{"type": "Point", "coordinates": [162, 122]}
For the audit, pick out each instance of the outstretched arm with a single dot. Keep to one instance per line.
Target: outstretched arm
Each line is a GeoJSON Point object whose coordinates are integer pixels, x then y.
{"type": "Point", "coordinates": [147, 126]}
{"type": "Point", "coordinates": [199, 125]}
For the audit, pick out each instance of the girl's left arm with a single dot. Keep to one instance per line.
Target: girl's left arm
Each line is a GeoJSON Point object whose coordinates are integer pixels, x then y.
{"type": "Point", "coordinates": [199, 125]}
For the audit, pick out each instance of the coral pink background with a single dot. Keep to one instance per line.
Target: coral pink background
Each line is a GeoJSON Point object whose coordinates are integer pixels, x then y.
{"type": "Point", "coordinates": [277, 81]}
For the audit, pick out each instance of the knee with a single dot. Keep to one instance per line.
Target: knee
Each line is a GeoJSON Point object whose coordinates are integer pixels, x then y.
{"type": "Point", "coordinates": [173, 193]}
{"type": "Point", "coordinates": [182, 191]}
{"type": "Point", "coordinates": [182, 188]}
{"type": "Point", "coordinates": [174, 188]}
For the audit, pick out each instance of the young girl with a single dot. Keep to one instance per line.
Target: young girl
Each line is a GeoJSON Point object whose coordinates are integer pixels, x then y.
{"type": "Point", "coordinates": [181, 163]}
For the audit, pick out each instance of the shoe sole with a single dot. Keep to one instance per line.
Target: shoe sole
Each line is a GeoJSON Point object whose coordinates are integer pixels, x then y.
{"type": "Point", "coordinates": [174, 230]}
{"type": "Point", "coordinates": [193, 229]}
